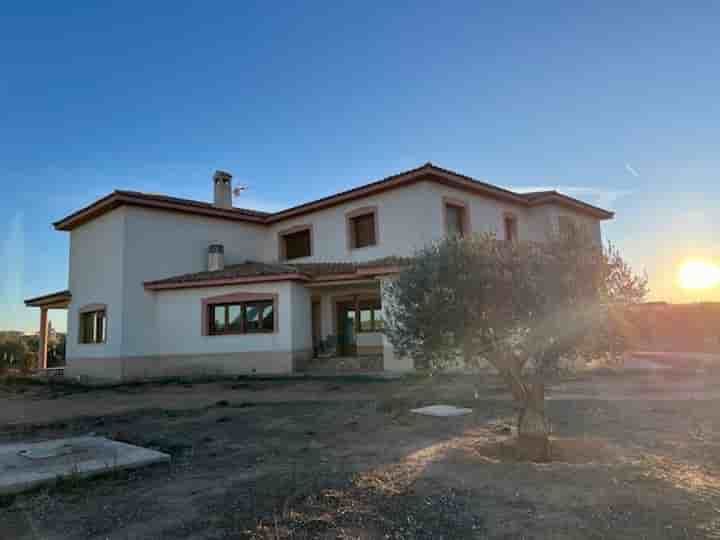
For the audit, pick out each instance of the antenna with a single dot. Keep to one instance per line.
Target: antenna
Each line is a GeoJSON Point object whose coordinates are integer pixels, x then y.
{"type": "Point", "coordinates": [237, 190]}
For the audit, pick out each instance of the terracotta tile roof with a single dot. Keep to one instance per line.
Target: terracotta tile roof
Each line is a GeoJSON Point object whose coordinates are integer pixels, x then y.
{"type": "Point", "coordinates": [321, 269]}
{"type": "Point", "coordinates": [163, 202]}
{"type": "Point", "coordinates": [255, 272]}
{"type": "Point", "coordinates": [190, 202]}
{"type": "Point", "coordinates": [543, 197]}
{"type": "Point", "coordinates": [249, 269]}
{"type": "Point", "coordinates": [427, 172]}
{"type": "Point", "coordinates": [534, 195]}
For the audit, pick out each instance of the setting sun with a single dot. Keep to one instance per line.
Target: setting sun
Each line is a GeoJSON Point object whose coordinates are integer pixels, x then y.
{"type": "Point", "coordinates": [699, 275]}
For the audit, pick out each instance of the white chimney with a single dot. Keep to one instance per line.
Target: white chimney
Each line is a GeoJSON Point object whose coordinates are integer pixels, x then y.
{"type": "Point", "coordinates": [216, 257]}
{"type": "Point", "coordinates": [223, 189]}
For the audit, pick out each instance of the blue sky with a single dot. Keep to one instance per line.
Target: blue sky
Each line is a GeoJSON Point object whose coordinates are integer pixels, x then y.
{"type": "Point", "coordinates": [617, 105]}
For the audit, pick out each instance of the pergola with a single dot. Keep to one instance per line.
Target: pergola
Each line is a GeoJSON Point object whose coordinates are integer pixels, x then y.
{"type": "Point", "coordinates": [58, 300]}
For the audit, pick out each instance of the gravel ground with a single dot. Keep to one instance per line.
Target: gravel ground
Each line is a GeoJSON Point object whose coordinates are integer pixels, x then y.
{"type": "Point", "coordinates": [634, 457]}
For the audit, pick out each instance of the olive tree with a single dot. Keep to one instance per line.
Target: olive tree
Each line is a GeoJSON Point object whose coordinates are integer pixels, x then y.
{"type": "Point", "coordinates": [520, 307]}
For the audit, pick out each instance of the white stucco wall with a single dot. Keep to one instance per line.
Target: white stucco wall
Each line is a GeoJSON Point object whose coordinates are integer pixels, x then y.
{"type": "Point", "coordinates": [112, 255]}
{"type": "Point", "coordinates": [96, 277]}
{"type": "Point", "coordinates": [412, 217]}
{"type": "Point", "coordinates": [178, 322]}
{"type": "Point", "coordinates": [163, 244]}
{"type": "Point", "coordinates": [396, 209]}
{"type": "Point", "coordinates": [486, 215]}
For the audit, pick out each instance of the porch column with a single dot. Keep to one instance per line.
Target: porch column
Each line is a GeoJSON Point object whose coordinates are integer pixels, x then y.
{"type": "Point", "coordinates": [391, 361]}
{"type": "Point", "coordinates": [43, 345]}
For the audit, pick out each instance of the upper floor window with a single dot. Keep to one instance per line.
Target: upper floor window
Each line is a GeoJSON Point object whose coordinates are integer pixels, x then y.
{"type": "Point", "coordinates": [242, 318]}
{"type": "Point", "coordinates": [93, 326]}
{"type": "Point", "coordinates": [296, 243]}
{"type": "Point", "coordinates": [457, 218]}
{"type": "Point", "coordinates": [362, 227]}
{"type": "Point", "coordinates": [567, 226]}
{"type": "Point", "coordinates": [511, 227]}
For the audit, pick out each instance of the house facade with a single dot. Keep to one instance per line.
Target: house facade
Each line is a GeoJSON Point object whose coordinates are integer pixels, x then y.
{"type": "Point", "coordinates": [160, 286]}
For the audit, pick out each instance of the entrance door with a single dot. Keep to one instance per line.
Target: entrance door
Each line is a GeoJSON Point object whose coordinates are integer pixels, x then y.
{"type": "Point", "coordinates": [346, 328]}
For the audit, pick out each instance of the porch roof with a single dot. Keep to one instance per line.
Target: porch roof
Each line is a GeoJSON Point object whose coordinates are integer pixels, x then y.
{"type": "Point", "coordinates": [258, 272]}
{"type": "Point", "coordinates": [56, 300]}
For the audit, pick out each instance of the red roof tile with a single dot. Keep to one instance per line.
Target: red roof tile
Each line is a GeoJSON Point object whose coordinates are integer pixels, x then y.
{"type": "Point", "coordinates": [252, 271]}
{"type": "Point", "coordinates": [427, 172]}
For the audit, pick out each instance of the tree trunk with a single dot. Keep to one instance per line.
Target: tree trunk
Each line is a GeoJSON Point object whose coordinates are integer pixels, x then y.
{"type": "Point", "coordinates": [533, 429]}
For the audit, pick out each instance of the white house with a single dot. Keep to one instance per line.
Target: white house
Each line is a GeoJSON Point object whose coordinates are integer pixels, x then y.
{"type": "Point", "coordinates": [160, 286]}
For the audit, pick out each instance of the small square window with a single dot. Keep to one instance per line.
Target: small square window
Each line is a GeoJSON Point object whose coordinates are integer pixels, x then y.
{"type": "Point", "coordinates": [567, 227]}
{"type": "Point", "coordinates": [370, 316]}
{"type": "Point", "coordinates": [366, 321]}
{"type": "Point", "coordinates": [296, 244]}
{"type": "Point", "coordinates": [511, 228]}
{"type": "Point", "coordinates": [362, 230]}
{"type": "Point", "coordinates": [455, 220]}
{"type": "Point", "coordinates": [93, 327]}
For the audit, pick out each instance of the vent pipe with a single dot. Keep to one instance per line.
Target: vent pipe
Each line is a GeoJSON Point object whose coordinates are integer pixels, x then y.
{"type": "Point", "coordinates": [216, 257]}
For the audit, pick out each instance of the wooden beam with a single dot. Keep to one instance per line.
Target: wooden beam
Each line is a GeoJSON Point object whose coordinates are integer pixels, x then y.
{"type": "Point", "coordinates": [43, 345]}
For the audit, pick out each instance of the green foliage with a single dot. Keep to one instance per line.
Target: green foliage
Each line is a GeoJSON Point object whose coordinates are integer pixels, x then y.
{"type": "Point", "coordinates": [13, 354]}
{"type": "Point", "coordinates": [515, 305]}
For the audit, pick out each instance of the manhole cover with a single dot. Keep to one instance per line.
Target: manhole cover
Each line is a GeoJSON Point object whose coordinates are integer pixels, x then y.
{"type": "Point", "coordinates": [44, 453]}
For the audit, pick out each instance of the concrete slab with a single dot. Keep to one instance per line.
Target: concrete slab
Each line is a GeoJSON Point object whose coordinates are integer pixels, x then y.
{"type": "Point", "coordinates": [24, 466]}
{"type": "Point", "coordinates": [442, 410]}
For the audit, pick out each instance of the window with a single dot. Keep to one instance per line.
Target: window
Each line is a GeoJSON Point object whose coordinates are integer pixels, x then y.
{"type": "Point", "coordinates": [457, 222]}
{"type": "Point", "coordinates": [511, 228]}
{"type": "Point", "coordinates": [242, 318]}
{"type": "Point", "coordinates": [566, 227]}
{"type": "Point", "coordinates": [295, 244]}
{"type": "Point", "coordinates": [370, 316]}
{"type": "Point", "coordinates": [362, 228]}
{"type": "Point", "coordinates": [93, 326]}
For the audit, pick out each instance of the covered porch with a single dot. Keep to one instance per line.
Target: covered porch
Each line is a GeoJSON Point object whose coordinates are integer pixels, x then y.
{"type": "Point", "coordinates": [57, 300]}
{"type": "Point", "coordinates": [347, 323]}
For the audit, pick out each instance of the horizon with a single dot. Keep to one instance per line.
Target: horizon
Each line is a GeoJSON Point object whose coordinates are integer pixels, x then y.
{"type": "Point", "coordinates": [612, 105]}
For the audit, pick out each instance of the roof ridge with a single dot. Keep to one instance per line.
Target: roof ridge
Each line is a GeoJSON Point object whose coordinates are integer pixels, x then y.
{"type": "Point", "coordinates": [438, 174]}
{"type": "Point", "coordinates": [135, 193]}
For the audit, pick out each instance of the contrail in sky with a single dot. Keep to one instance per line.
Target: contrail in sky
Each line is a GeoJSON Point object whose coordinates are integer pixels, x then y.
{"type": "Point", "coordinates": [629, 168]}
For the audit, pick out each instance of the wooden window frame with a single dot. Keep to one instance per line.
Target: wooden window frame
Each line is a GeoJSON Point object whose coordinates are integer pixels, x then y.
{"type": "Point", "coordinates": [461, 205]}
{"type": "Point", "coordinates": [572, 223]}
{"type": "Point", "coordinates": [93, 310]}
{"type": "Point", "coordinates": [282, 247]}
{"type": "Point", "coordinates": [359, 308]}
{"type": "Point", "coordinates": [509, 217]}
{"type": "Point", "coordinates": [242, 299]}
{"type": "Point", "coordinates": [350, 218]}
{"type": "Point", "coordinates": [358, 299]}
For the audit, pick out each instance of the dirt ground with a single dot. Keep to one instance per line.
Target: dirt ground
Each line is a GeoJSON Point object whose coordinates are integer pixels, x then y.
{"type": "Point", "coordinates": [635, 456]}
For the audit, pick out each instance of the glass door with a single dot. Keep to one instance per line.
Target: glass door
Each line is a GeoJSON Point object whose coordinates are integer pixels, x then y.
{"type": "Point", "coordinates": [347, 325]}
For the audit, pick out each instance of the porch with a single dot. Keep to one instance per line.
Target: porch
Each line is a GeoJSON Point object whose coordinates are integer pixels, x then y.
{"type": "Point", "coordinates": [347, 327]}
{"type": "Point", "coordinates": [58, 300]}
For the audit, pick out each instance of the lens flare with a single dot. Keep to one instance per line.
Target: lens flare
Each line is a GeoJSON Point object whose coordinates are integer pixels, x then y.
{"type": "Point", "coordinates": [697, 274]}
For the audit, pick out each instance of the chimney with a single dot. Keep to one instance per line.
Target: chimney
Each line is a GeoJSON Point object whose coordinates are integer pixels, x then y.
{"type": "Point", "coordinates": [223, 189]}
{"type": "Point", "coordinates": [216, 257]}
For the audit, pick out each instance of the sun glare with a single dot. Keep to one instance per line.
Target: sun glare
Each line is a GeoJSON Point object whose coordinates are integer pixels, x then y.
{"type": "Point", "coordinates": [699, 275]}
